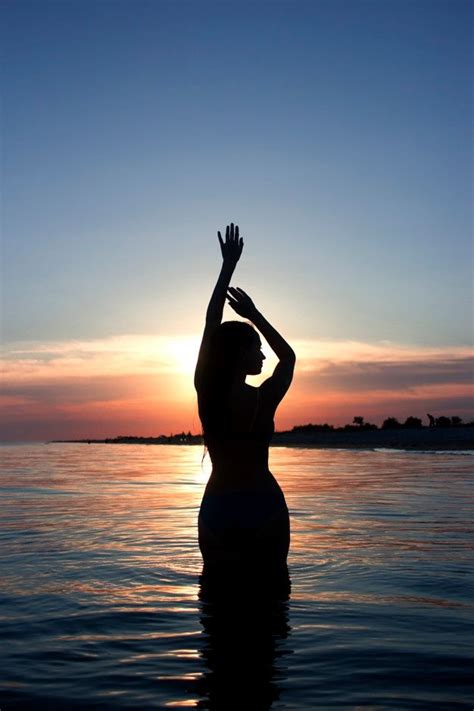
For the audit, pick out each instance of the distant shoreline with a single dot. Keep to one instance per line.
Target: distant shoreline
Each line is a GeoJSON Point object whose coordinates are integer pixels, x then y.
{"type": "Point", "coordinates": [427, 438]}
{"type": "Point", "coordinates": [424, 438]}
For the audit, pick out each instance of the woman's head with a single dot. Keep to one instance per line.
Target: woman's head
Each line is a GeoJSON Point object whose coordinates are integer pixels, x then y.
{"type": "Point", "coordinates": [236, 350]}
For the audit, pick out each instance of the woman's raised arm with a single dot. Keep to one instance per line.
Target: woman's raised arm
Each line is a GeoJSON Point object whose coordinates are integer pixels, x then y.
{"type": "Point", "coordinates": [231, 250]}
{"type": "Point", "coordinates": [277, 385]}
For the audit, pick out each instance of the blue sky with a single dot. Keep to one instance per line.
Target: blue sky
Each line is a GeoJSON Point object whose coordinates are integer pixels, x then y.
{"type": "Point", "coordinates": [337, 134]}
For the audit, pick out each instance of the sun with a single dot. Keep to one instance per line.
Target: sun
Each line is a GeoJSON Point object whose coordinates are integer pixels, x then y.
{"type": "Point", "coordinates": [182, 352]}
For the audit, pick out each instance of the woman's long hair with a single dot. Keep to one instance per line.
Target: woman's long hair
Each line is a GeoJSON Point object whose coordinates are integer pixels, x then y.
{"type": "Point", "coordinates": [228, 343]}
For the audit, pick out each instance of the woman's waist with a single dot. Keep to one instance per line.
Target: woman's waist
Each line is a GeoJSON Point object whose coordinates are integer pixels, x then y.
{"type": "Point", "coordinates": [235, 462]}
{"type": "Point", "coordinates": [228, 481]}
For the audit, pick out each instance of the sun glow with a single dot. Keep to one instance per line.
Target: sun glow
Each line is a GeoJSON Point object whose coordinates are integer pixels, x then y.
{"type": "Point", "coordinates": [183, 353]}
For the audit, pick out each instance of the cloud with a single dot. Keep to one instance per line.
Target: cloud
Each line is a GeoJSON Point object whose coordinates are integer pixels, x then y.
{"type": "Point", "coordinates": [129, 353]}
{"type": "Point", "coordinates": [313, 354]}
{"type": "Point", "coordinates": [390, 375]}
{"type": "Point", "coordinates": [76, 390]}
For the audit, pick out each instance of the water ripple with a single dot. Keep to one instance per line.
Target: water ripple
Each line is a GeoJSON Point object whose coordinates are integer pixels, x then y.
{"type": "Point", "coordinates": [103, 605]}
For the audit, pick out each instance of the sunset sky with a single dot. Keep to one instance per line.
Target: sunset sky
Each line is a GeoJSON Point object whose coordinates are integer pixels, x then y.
{"type": "Point", "coordinates": [337, 134]}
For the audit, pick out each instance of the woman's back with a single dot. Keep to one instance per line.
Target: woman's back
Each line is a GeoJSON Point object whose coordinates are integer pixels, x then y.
{"type": "Point", "coordinates": [239, 451]}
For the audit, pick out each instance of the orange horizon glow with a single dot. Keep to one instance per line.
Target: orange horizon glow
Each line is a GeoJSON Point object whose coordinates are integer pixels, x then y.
{"type": "Point", "coordinates": [142, 385]}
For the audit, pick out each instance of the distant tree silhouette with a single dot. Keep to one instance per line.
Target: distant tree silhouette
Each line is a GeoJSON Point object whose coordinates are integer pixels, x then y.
{"type": "Point", "coordinates": [358, 425]}
{"type": "Point", "coordinates": [391, 423]}
{"type": "Point", "coordinates": [313, 428]}
{"type": "Point", "coordinates": [413, 423]}
{"type": "Point", "coordinates": [444, 421]}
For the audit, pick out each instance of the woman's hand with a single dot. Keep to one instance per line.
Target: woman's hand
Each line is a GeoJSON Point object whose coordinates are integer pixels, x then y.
{"type": "Point", "coordinates": [232, 247]}
{"type": "Point", "coordinates": [241, 303]}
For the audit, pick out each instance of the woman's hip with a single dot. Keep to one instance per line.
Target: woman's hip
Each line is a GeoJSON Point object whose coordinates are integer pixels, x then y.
{"type": "Point", "coordinates": [242, 510]}
{"type": "Point", "coordinates": [244, 527]}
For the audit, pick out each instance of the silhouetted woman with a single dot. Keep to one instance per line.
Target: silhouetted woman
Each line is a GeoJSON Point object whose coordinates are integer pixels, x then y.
{"type": "Point", "coordinates": [243, 516]}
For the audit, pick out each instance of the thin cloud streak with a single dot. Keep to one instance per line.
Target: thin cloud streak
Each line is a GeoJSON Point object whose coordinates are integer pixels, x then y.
{"type": "Point", "coordinates": [118, 354]}
{"type": "Point", "coordinates": [391, 375]}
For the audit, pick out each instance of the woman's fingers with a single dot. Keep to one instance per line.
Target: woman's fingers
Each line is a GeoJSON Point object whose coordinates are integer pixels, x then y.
{"type": "Point", "coordinates": [233, 297]}
{"type": "Point", "coordinates": [233, 244]}
{"type": "Point", "coordinates": [234, 304]}
{"type": "Point", "coordinates": [240, 294]}
{"type": "Point", "coordinates": [232, 234]}
{"type": "Point", "coordinates": [235, 294]}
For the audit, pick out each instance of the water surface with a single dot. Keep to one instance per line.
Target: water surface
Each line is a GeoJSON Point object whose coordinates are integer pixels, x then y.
{"type": "Point", "coordinates": [102, 605]}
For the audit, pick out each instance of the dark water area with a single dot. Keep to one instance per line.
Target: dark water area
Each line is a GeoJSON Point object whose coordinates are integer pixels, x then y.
{"type": "Point", "coordinates": [104, 603]}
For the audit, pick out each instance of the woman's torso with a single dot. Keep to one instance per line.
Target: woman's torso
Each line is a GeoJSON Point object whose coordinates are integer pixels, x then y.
{"type": "Point", "coordinates": [239, 454]}
{"type": "Point", "coordinates": [243, 514]}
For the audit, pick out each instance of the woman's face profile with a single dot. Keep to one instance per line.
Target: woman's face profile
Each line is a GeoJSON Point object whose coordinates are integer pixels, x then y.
{"type": "Point", "coordinates": [253, 358]}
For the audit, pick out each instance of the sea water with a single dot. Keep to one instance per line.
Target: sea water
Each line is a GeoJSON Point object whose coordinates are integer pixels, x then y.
{"type": "Point", "coordinates": [103, 606]}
